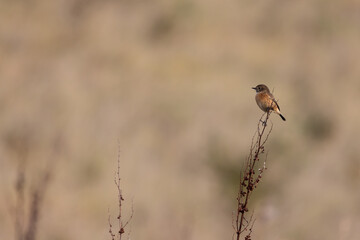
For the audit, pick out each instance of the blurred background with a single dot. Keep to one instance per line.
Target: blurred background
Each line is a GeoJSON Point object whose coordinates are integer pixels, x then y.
{"type": "Point", "coordinates": [171, 81]}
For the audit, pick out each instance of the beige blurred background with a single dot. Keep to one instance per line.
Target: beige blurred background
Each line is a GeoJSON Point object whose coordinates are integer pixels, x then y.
{"type": "Point", "coordinates": [171, 80]}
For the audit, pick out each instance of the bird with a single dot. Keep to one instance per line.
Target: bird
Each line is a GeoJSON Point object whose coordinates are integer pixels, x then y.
{"type": "Point", "coordinates": [266, 101]}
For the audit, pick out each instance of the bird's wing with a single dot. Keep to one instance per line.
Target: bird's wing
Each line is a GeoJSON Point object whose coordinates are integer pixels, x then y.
{"type": "Point", "coordinates": [276, 104]}
{"type": "Point", "coordinates": [273, 99]}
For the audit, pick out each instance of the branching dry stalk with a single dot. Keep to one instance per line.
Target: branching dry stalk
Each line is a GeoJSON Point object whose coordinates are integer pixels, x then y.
{"type": "Point", "coordinates": [121, 224]}
{"type": "Point", "coordinates": [249, 179]}
{"type": "Point", "coordinates": [20, 203]}
{"type": "Point", "coordinates": [27, 216]}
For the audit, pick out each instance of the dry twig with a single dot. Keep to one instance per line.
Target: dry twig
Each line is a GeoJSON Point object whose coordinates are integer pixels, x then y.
{"type": "Point", "coordinates": [27, 216]}
{"type": "Point", "coordinates": [250, 178]}
{"type": "Point", "coordinates": [121, 224]}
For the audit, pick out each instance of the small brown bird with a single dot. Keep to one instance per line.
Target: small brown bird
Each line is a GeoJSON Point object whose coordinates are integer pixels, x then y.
{"type": "Point", "coordinates": [266, 101]}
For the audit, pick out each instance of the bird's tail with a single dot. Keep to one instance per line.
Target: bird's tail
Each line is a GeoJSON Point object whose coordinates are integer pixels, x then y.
{"type": "Point", "coordinates": [282, 117]}
{"type": "Point", "coordinates": [278, 112]}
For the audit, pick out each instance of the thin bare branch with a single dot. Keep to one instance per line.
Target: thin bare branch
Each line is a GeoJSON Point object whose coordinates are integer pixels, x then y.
{"type": "Point", "coordinates": [250, 178]}
{"type": "Point", "coordinates": [121, 225]}
{"type": "Point", "coordinates": [131, 215]}
{"type": "Point", "coordinates": [110, 226]}
{"type": "Point", "coordinates": [20, 202]}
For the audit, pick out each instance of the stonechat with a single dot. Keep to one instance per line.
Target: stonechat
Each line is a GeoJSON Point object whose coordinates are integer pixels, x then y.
{"type": "Point", "coordinates": [266, 101]}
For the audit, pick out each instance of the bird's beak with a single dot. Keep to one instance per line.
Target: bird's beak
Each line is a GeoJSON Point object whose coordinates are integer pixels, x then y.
{"type": "Point", "coordinates": [254, 88]}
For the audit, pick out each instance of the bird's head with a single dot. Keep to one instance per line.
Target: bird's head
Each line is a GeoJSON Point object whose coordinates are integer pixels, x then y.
{"type": "Point", "coordinates": [261, 88]}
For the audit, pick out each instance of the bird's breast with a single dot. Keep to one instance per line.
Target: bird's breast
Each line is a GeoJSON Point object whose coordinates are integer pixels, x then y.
{"type": "Point", "coordinates": [263, 101]}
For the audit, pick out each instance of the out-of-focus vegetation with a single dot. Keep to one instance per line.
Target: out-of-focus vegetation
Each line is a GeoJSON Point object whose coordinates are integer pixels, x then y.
{"type": "Point", "coordinates": [172, 81]}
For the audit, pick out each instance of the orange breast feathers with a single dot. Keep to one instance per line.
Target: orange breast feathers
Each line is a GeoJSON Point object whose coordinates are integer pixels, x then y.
{"type": "Point", "coordinates": [266, 102]}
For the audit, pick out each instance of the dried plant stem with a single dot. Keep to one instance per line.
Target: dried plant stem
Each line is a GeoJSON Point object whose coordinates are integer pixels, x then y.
{"type": "Point", "coordinates": [36, 202]}
{"type": "Point", "coordinates": [249, 179]}
{"type": "Point", "coordinates": [120, 197]}
{"type": "Point", "coordinates": [121, 225]}
{"type": "Point", "coordinates": [20, 203]}
{"type": "Point", "coordinates": [26, 224]}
